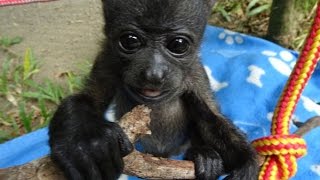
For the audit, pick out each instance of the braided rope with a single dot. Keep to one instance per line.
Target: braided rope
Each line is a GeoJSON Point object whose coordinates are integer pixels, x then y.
{"type": "Point", "coordinates": [282, 149]}
{"type": "Point", "coordinates": [16, 2]}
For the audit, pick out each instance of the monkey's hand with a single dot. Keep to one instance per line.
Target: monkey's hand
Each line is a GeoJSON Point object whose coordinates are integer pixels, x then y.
{"type": "Point", "coordinates": [241, 163]}
{"type": "Point", "coordinates": [84, 146]}
{"type": "Point", "coordinates": [219, 142]}
{"type": "Point", "coordinates": [208, 163]}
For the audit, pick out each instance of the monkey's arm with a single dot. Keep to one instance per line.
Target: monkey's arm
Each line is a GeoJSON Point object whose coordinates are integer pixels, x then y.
{"type": "Point", "coordinates": [84, 145]}
{"type": "Point", "coordinates": [82, 142]}
{"type": "Point", "coordinates": [217, 145]}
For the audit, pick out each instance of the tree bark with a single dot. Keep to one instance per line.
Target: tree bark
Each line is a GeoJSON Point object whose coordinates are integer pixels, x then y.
{"type": "Point", "coordinates": [284, 22]}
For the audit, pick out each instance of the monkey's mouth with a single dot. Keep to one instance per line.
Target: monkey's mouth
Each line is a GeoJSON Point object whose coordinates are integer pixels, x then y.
{"type": "Point", "coordinates": [146, 94]}
{"type": "Point", "coordinates": [151, 93]}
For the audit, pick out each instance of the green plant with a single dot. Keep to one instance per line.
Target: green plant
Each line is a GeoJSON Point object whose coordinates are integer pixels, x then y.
{"type": "Point", "coordinates": [25, 117]}
{"type": "Point", "coordinates": [306, 5]}
{"type": "Point", "coordinates": [4, 77]}
{"type": "Point", "coordinates": [74, 82]}
{"type": "Point", "coordinates": [7, 42]}
{"type": "Point", "coordinates": [26, 104]}
{"type": "Point", "coordinates": [30, 65]}
{"type": "Point", "coordinates": [49, 91]}
{"type": "Point", "coordinates": [256, 7]}
{"type": "Point", "coordinates": [228, 8]}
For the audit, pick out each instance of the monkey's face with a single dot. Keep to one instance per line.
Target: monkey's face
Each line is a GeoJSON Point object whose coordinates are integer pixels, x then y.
{"type": "Point", "coordinates": [157, 42]}
{"type": "Point", "coordinates": [155, 67]}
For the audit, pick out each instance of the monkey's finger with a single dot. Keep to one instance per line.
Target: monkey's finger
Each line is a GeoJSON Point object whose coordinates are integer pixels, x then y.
{"type": "Point", "coordinates": [247, 172]}
{"type": "Point", "coordinates": [214, 168]}
{"type": "Point", "coordinates": [200, 167]}
{"type": "Point", "coordinates": [111, 167]}
{"type": "Point", "coordinates": [125, 145]}
{"type": "Point", "coordinates": [85, 164]}
{"type": "Point", "coordinates": [117, 161]}
{"type": "Point", "coordinates": [108, 159]}
{"type": "Point", "coordinates": [69, 168]}
{"type": "Point", "coordinates": [88, 168]}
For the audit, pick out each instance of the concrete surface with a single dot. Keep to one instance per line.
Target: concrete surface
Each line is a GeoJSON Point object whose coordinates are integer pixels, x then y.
{"type": "Point", "coordinates": [61, 33]}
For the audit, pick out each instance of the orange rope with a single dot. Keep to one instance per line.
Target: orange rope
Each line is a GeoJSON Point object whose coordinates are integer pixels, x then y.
{"type": "Point", "coordinates": [282, 149]}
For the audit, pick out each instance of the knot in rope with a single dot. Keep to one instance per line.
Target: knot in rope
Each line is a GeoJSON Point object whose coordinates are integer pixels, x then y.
{"type": "Point", "coordinates": [281, 145]}
{"type": "Point", "coordinates": [282, 152]}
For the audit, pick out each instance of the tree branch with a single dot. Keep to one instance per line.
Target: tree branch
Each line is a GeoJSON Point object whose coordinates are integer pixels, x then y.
{"type": "Point", "coordinates": [137, 164]}
{"type": "Point", "coordinates": [134, 124]}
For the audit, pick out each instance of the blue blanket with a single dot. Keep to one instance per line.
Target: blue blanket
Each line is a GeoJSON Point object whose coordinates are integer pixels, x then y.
{"type": "Point", "coordinates": [247, 75]}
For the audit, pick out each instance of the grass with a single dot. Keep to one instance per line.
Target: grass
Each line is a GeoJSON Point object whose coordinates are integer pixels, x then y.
{"type": "Point", "coordinates": [246, 16]}
{"type": "Point", "coordinates": [252, 16]}
{"type": "Point", "coordinates": [27, 105]}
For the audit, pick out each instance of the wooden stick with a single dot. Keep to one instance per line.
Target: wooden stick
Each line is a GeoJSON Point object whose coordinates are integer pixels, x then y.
{"type": "Point", "coordinates": [309, 125]}
{"type": "Point", "coordinates": [134, 124]}
{"type": "Point", "coordinates": [136, 164]}
{"type": "Point", "coordinates": [147, 166]}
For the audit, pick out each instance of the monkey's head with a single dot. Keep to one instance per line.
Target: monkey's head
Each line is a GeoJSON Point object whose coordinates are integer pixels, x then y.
{"type": "Point", "coordinates": [156, 42]}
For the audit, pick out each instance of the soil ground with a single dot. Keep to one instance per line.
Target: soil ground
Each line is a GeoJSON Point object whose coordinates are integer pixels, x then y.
{"type": "Point", "coordinates": [61, 33]}
{"type": "Point", "coordinates": [65, 33]}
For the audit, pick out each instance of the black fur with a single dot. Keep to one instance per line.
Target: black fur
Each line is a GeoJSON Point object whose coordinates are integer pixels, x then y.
{"type": "Point", "coordinates": [184, 116]}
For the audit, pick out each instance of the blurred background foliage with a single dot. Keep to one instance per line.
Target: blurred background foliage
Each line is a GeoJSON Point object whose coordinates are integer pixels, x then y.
{"type": "Point", "coordinates": [252, 17]}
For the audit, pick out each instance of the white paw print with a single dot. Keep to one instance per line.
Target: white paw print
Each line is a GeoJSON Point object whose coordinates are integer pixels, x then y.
{"type": "Point", "coordinates": [231, 37]}
{"type": "Point", "coordinates": [316, 169]}
{"type": "Point", "coordinates": [283, 61]}
{"type": "Point", "coordinates": [310, 105]}
{"type": "Point", "coordinates": [214, 84]}
{"type": "Point", "coordinates": [255, 75]}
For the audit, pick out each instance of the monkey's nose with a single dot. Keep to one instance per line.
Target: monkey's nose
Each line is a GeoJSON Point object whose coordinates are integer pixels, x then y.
{"type": "Point", "coordinates": [155, 75]}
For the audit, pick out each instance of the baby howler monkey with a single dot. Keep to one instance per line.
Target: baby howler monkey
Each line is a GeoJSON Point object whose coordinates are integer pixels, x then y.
{"type": "Point", "coordinates": [150, 56]}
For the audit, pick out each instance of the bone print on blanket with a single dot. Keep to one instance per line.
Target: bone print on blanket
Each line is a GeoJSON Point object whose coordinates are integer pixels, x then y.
{"type": "Point", "coordinates": [247, 75]}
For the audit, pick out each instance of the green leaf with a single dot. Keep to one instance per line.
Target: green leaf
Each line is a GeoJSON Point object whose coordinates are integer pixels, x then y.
{"type": "Point", "coordinates": [74, 82]}
{"type": "Point", "coordinates": [252, 4]}
{"type": "Point", "coordinates": [4, 136]}
{"type": "Point", "coordinates": [16, 40]}
{"type": "Point", "coordinates": [4, 76]}
{"type": "Point", "coordinates": [30, 65]}
{"type": "Point", "coordinates": [7, 42]}
{"type": "Point", "coordinates": [35, 95]}
{"type": "Point", "coordinates": [26, 118]}
{"type": "Point", "coordinates": [27, 63]}
{"type": "Point", "coordinates": [224, 14]}
{"type": "Point", "coordinates": [259, 10]}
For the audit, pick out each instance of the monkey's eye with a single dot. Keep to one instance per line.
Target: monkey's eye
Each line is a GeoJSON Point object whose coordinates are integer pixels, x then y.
{"type": "Point", "coordinates": [179, 45]}
{"type": "Point", "coordinates": [129, 42]}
